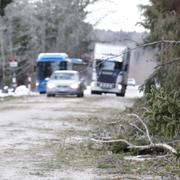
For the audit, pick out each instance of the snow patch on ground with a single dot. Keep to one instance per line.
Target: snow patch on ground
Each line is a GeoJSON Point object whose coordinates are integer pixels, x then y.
{"type": "Point", "coordinates": [19, 91]}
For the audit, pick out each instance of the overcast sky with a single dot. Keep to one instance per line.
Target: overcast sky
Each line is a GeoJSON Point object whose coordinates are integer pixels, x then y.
{"type": "Point", "coordinates": [117, 15]}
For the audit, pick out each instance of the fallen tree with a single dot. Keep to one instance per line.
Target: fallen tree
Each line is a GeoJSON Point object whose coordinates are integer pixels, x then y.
{"type": "Point", "coordinates": [132, 146]}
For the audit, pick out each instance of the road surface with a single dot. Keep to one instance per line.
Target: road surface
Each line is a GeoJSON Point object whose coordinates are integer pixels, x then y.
{"type": "Point", "coordinates": [49, 138]}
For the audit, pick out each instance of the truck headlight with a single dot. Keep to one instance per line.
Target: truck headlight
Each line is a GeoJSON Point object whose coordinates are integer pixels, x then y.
{"type": "Point", "coordinates": [51, 85]}
{"type": "Point", "coordinates": [119, 79]}
{"type": "Point", "coordinates": [119, 86]}
{"type": "Point", "coordinates": [93, 84]}
{"type": "Point", "coordinates": [74, 86]}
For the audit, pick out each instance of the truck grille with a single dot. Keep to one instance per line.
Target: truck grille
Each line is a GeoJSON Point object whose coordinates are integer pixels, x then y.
{"type": "Point", "coordinates": [107, 78]}
{"type": "Point", "coordinates": [106, 85]}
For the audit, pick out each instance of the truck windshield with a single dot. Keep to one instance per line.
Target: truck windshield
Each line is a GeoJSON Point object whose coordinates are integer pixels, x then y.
{"type": "Point", "coordinates": [109, 65]}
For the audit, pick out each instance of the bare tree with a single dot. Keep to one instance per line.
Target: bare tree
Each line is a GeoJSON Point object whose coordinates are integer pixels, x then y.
{"type": "Point", "coordinates": [44, 26]}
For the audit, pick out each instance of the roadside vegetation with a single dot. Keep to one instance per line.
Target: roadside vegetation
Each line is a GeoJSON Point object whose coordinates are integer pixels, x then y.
{"type": "Point", "coordinates": [162, 100]}
{"type": "Point", "coordinates": [130, 148]}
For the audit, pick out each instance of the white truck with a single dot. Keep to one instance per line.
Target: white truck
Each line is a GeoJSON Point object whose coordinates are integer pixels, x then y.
{"type": "Point", "coordinates": [110, 69]}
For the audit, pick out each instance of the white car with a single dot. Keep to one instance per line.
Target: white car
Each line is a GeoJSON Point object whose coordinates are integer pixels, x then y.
{"type": "Point", "coordinates": [65, 82]}
{"type": "Point", "coordinates": [131, 82]}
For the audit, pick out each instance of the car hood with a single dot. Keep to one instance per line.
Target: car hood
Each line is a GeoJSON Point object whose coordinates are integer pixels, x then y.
{"type": "Point", "coordinates": [62, 82]}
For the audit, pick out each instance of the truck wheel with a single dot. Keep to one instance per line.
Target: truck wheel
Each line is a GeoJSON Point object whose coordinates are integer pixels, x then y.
{"type": "Point", "coordinates": [93, 92]}
{"type": "Point", "coordinates": [120, 94]}
{"type": "Point", "coordinates": [50, 95]}
{"type": "Point", "coordinates": [81, 94]}
{"type": "Point", "coordinates": [96, 92]}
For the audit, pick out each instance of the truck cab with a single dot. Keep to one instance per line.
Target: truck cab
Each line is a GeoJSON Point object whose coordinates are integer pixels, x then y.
{"type": "Point", "coordinates": [110, 73]}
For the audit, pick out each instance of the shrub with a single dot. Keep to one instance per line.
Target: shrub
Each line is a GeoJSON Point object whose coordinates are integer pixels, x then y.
{"type": "Point", "coordinates": [163, 112]}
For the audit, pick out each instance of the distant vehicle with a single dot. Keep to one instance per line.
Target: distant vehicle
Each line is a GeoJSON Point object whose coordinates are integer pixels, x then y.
{"type": "Point", "coordinates": [131, 82]}
{"type": "Point", "coordinates": [48, 63]}
{"type": "Point", "coordinates": [65, 82]}
{"type": "Point", "coordinates": [110, 69]}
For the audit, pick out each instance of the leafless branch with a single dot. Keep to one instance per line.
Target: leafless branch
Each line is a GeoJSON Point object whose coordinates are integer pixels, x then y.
{"type": "Point", "coordinates": [112, 141]}
{"type": "Point", "coordinates": [145, 126]}
{"type": "Point", "coordinates": [138, 128]}
{"type": "Point", "coordinates": [132, 146]}
{"type": "Point", "coordinates": [175, 60]}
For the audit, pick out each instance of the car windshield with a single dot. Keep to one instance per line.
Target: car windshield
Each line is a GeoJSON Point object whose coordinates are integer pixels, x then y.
{"type": "Point", "coordinates": [64, 76]}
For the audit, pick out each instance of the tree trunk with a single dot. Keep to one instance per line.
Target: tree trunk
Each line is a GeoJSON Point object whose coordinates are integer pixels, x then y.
{"type": "Point", "coordinates": [2, 50]}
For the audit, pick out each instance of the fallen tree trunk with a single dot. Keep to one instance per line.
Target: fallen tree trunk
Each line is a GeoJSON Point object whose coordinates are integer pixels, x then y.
{"type": "Point", "coordinates": [146, 132]}
{"type": "Point", "coordinates": [143, 147]}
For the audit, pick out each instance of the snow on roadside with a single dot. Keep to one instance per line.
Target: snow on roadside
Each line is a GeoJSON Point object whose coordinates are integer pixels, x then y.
{"type": "Point", "coordinates": [20, 91]}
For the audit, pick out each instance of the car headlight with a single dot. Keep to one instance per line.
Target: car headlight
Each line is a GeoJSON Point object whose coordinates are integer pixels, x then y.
{"type": "Point", "coordinates": [51, 85]}
{"type": "Point", "coordinates": [74, 86]}
{"type": "Point", "coordinates": [37, 83]}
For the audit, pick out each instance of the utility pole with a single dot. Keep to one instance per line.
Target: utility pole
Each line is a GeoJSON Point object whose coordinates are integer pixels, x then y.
{"type": "Point", "coordinates": [2, 50]}
{"type": "Point", "coordinates": [3, 4]}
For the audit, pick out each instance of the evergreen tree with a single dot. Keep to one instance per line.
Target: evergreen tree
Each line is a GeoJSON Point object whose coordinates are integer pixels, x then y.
{"type": "Point", "coordinates": [3, 4]}
{"type": "Point", "coordinates": [162, 18]}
